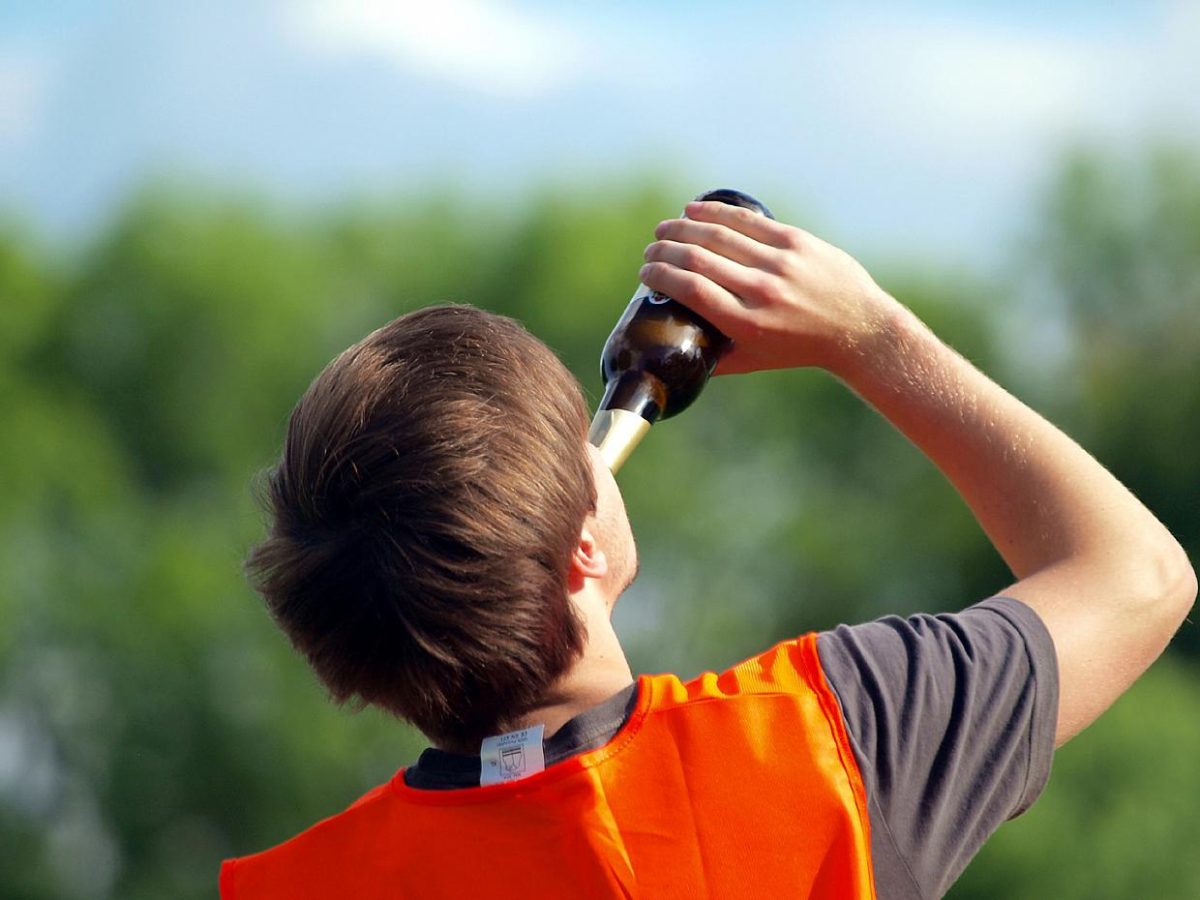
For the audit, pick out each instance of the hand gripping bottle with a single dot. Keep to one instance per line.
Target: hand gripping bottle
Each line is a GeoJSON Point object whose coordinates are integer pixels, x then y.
{"type": "Point", "coordinates": [656, 361]}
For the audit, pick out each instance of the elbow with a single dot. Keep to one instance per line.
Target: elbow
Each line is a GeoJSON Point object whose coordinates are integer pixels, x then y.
{"type": "Point", "coordinates": [1154, 586]}
{"type": "Point", "coordinates": [1187, 584]}
{"type": "Point", "coordinates": [1176, 584]}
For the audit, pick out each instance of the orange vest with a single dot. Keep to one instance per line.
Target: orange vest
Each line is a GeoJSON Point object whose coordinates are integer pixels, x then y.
{"type": "Point", "coordinates": [735, 785]}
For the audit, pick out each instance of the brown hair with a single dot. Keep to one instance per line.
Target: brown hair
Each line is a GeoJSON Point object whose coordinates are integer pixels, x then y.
{"type": "Point", "coordinates": [429, 498]}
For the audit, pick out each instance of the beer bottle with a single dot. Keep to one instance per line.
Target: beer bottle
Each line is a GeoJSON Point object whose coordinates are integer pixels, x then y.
{"type": "Point", "coordinates": [656, 361]}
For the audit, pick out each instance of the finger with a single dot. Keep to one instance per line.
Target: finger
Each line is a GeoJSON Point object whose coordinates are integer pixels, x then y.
{"type": "Point", "coordinates": [736, 278]}
{"type": "Point", "coordinates": [703, 296]}
{"type": "Point", "coordinates": [738, 359]}
{"type": "Point", "coordinates": [734, 362]}
{"type": "Point", "coordinates": [720, 239]}
{"type": "Point", "coordinates": [747, 222]}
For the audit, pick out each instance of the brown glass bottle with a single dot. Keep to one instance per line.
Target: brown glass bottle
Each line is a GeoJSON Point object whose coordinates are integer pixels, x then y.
{"type": "Point", "coordinates": [656, 361]}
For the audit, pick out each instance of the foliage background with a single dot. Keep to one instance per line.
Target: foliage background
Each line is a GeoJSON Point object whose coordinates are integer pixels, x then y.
{"type": "Point", "coordinates": [155, 330]}
{"type": "Point", "coordinates": [153, 721]}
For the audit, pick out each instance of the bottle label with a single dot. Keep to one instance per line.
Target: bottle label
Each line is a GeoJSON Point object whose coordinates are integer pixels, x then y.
{"type": "Point", "coordinates": [644, 293]}
{"type": "Point", "coordinates": [508, 757]}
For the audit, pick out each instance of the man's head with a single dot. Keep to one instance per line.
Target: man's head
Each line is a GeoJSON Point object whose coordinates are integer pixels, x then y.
{"type": "Point", "coordinates": [430, 498]}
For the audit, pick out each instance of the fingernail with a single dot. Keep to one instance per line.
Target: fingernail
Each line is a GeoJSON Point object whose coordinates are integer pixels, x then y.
{"type": "Point", "coordinates": [643, 270]}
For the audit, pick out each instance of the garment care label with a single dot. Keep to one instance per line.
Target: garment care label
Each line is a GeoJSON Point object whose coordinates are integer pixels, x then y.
{"type": "Point", "coordinates": [508, 757]}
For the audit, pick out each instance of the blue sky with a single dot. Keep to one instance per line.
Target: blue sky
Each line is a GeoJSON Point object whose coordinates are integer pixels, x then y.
{"type": "Point", "coordinates": [922, 125]}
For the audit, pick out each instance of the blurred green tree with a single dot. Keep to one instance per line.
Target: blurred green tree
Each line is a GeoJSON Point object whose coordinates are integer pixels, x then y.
{"type": "Point", "coordinates": [1120, 254]}
{"type": "Point", "coordinates": [151, 719]}
{"type": "Point", "coordinates": [1115, 259]}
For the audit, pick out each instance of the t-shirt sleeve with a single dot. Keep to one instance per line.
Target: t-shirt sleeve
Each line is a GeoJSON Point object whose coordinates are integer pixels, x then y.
{"type": "Point", "coordinates": [952, 719]}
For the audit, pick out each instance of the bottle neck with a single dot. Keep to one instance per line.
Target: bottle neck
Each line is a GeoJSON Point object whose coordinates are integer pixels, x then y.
{"type": "Point", "coordinates": [637, 392]}
{"type": "Point", "coordinates": [631, 404]}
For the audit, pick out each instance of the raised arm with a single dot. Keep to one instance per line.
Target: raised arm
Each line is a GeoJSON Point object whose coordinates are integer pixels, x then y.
{"type": "Point", "coordinates": [1109, 581]}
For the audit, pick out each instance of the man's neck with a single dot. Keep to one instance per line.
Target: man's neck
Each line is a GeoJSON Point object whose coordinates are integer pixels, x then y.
{"type": "Point", "coordinates": [600, 672]}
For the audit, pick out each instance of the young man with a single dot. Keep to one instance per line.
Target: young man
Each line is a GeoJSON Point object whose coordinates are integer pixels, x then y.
{"type": "Point", "coordinates": [445, 545]}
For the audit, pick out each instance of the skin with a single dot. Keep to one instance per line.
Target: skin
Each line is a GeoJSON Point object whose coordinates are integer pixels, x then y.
{"type": "Point", "coordinates": [603, 566]}
{"type": "Point", "coordinates": [1108, 580]}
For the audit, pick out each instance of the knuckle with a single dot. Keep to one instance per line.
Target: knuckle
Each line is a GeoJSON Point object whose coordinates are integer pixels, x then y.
{"type": "Point", "coordinates": [690, 290]}
{"type": "Point", "coordinates": [741, 215]}
{"type": "Point", "coordinates": [772, 290]}
{"type": "Point", "coordinates": [693, 258]}
{"type": "Point", "coordinates": [729, 242]}
{"type": "Point", "coordinates": [792, 238]}
{"type": "Point", "coordinates": [781, 264]}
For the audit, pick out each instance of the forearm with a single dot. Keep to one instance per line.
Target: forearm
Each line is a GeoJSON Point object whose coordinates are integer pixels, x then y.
{"type": "Point", "coordinates": [1105, 577]}
{"type": "Point", "coordinates": [1040, 498]}
{"type": "Point", "coordinates": [1090, 558]}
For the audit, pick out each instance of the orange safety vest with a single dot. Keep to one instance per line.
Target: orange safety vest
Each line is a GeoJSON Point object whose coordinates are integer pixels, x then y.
{"type": "Point", "coordinates": [742, 784]}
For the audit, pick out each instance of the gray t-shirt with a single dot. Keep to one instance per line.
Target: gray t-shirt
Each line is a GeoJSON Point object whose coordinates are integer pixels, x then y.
{"type": "Point", "coordinates": [952, 719]}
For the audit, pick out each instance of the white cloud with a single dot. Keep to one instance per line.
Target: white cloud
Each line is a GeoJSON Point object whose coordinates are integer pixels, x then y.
{"type": "Point", "coordinates": [1172, 67]}
{"type": "Point", "coordinates": [24, 87]}
{"type": "Point", "coordinates": [939, 86]}
{"type": "Point", "coordinates": [969, 90]}
{"type": "Point", "coordinates": [480, 44]}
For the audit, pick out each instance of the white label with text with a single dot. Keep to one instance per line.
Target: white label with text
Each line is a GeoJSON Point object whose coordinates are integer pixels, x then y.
{"type": "Point", "coordinates": [508, 757]}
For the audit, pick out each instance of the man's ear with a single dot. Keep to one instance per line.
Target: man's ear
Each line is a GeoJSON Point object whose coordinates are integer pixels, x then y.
{"type": "Point", "coordinates": [588, 560]}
